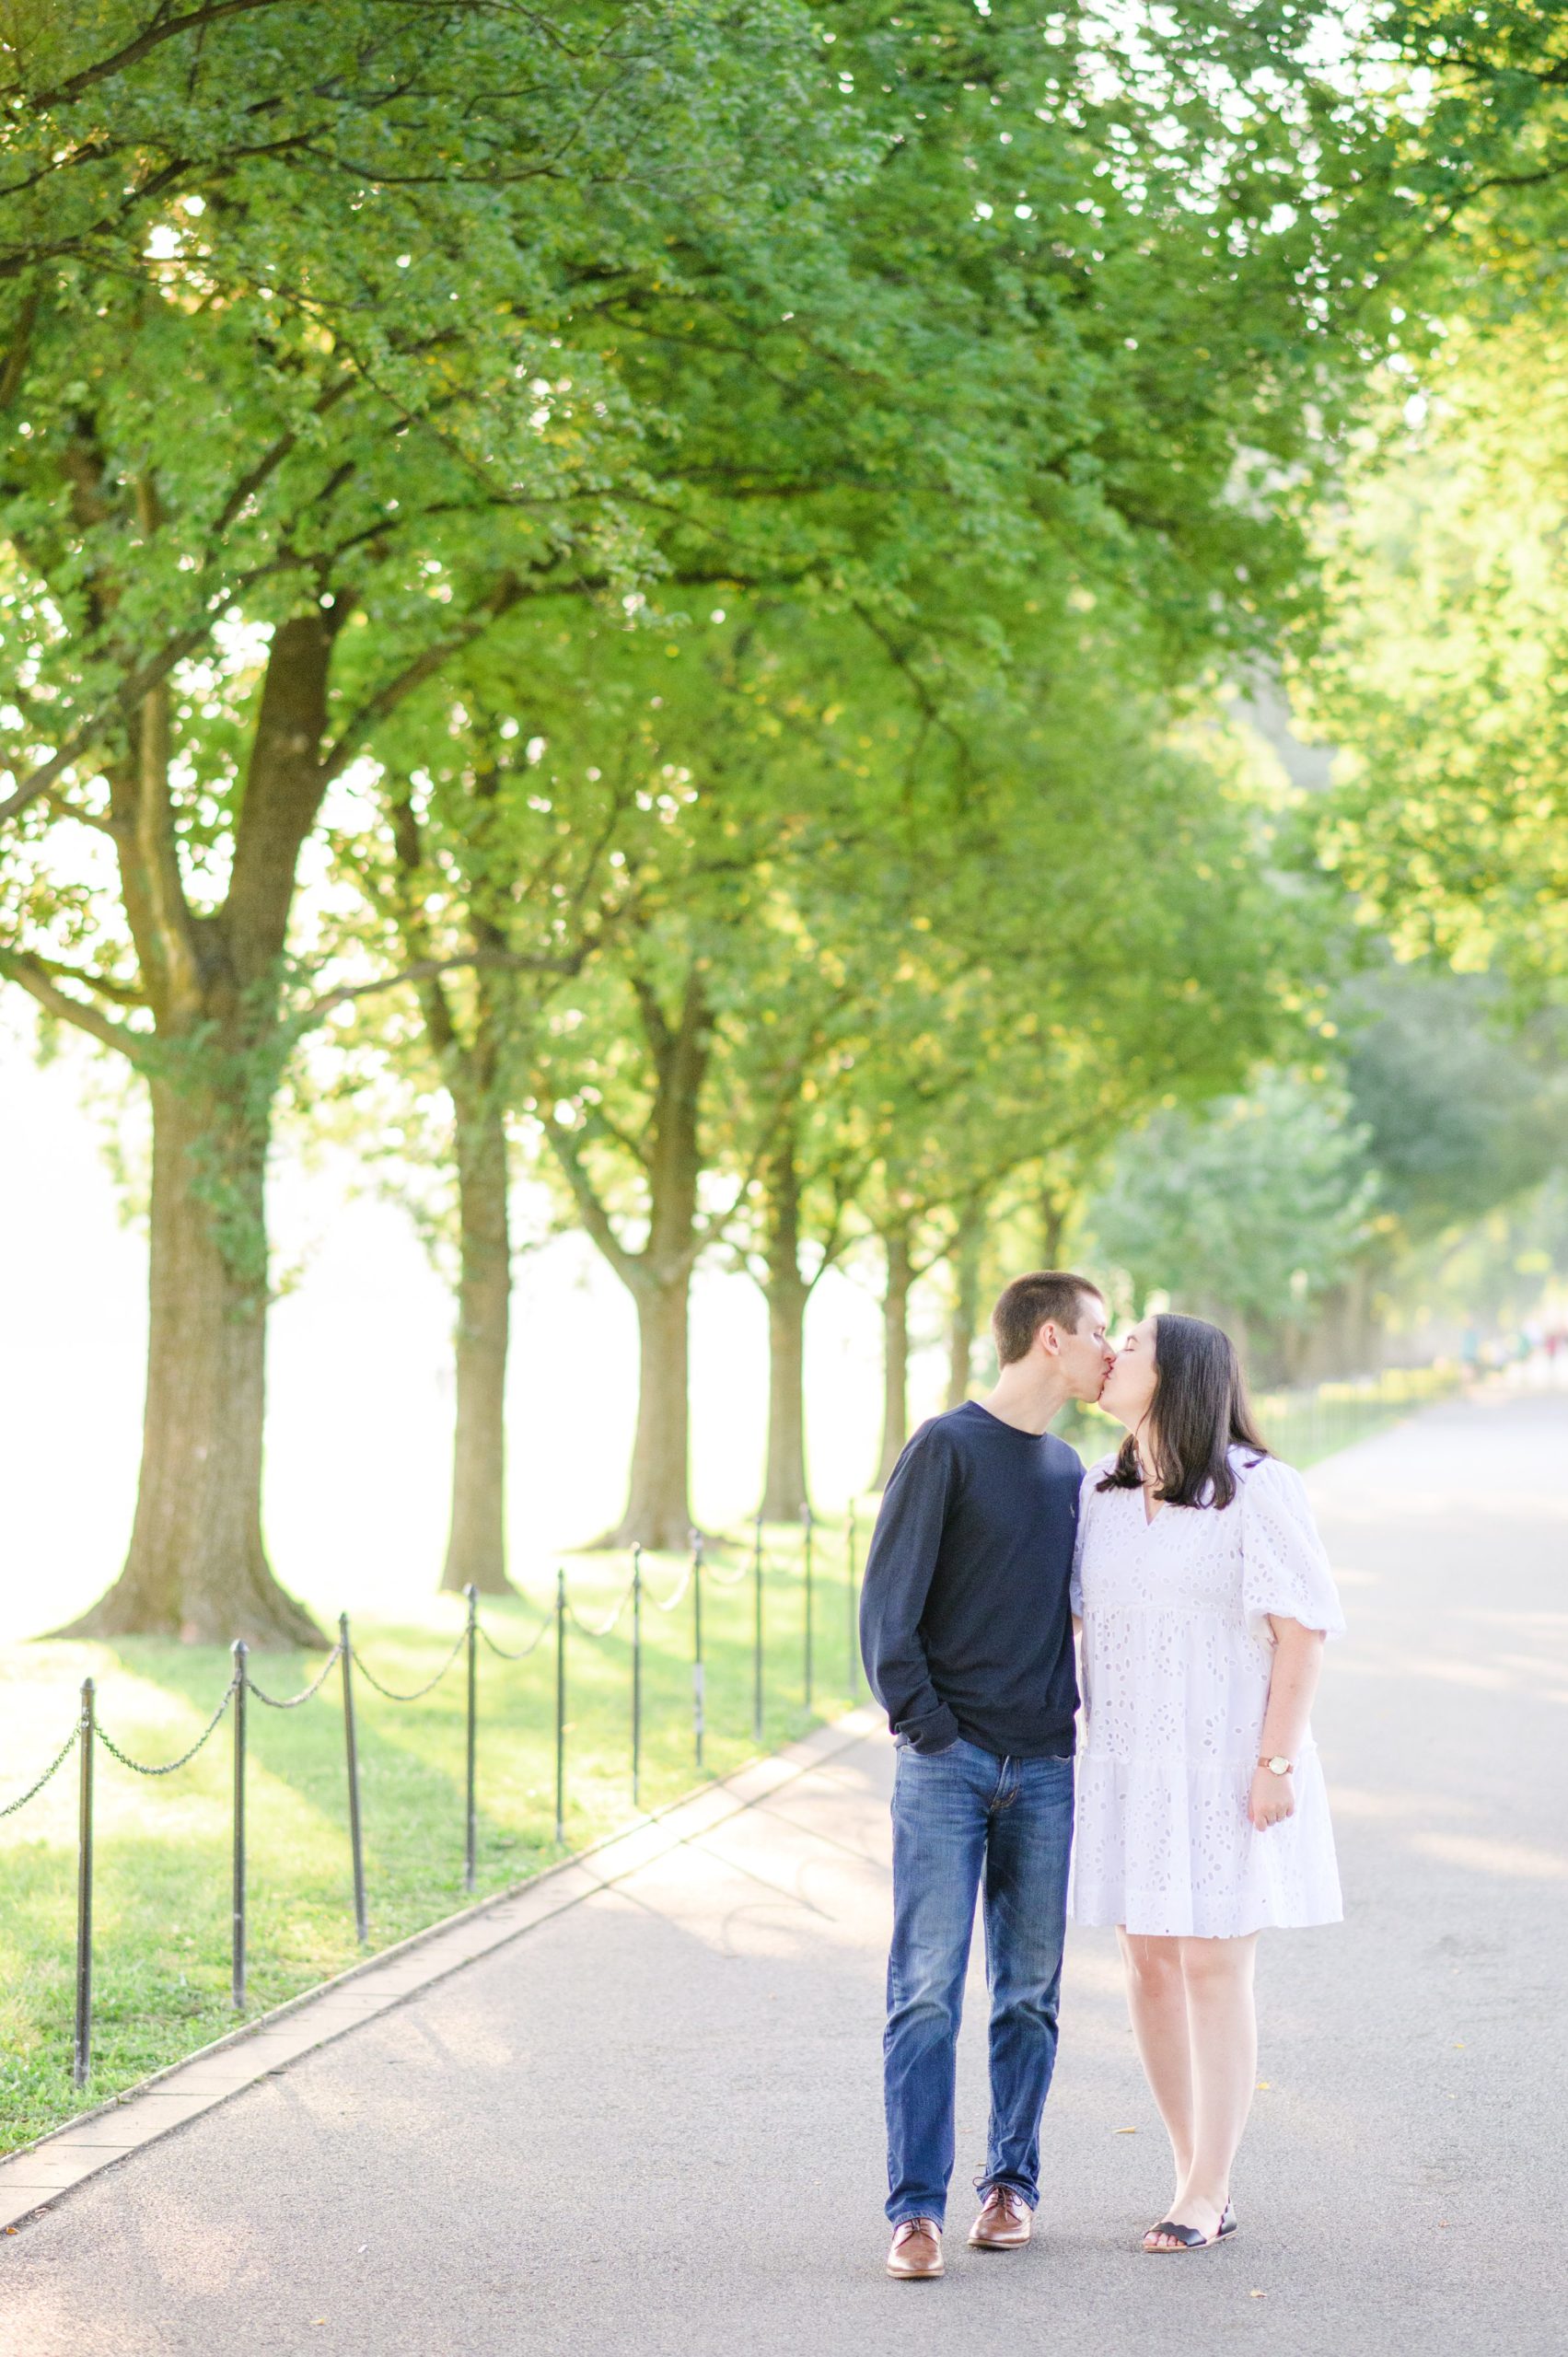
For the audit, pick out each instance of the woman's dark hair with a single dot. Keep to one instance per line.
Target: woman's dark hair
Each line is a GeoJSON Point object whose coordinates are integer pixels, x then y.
{"type": "Point", "coordinates": [1199, 1413]}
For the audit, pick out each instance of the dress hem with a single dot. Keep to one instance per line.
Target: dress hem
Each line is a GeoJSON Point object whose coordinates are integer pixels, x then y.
{"type": "Point", "coordinates": [1112, 1921]}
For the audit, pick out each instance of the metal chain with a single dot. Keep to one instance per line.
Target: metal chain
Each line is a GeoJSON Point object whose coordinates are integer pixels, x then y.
{"type": "Point", "coordinates": [55, 1764]}
{"type": "Point", "coordinates": [292, 1701]}
{"type": "Point", "coordinates": [604, 1627]}
{"type": "Point", "coordinates": [719, 1579]}
{"type": "Point", "coordinates": [669, 1603]}
{"type": "Point", "coordinates": [169, 1766]}
{"type": "Point", "coordinates": [429, 1687]}
{"type": "Point", "coordinates": [500, 1652]}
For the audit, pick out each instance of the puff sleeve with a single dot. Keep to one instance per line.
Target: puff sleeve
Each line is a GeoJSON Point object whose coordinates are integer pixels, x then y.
{"type": "Point", "coordinates": [1285, 1568]}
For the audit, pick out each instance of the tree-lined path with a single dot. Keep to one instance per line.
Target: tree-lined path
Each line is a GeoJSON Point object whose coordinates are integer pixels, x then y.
{"type": "Point", "coordinates": [651, 2124]}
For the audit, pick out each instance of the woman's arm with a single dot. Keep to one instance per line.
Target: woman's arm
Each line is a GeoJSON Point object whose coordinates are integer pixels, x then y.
{"type": "Point", "coordinates": [1293, 1682]}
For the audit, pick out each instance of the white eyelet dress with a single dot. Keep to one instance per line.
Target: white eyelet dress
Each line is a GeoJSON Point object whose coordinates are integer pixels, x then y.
{"type": "Point", "coordinates": [1176, 1652]}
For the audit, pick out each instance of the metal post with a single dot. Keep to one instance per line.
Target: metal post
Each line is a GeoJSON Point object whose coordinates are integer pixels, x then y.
{"type": "Point", "coordinates": [470, 1818]}
{"type": "Point", "coordinates": [757, 1634]}
{"type": "Point", "coordinates": [806, 1524]}
{"type": "Point", "coordinates": [697, 1643]}
{"type": "Point", "coordinates": [560, 1708]}
{"type": "Point", "coordinates": [852, 1601]}
{"type": "Point", "coordinates": [357, 1839]}
{"type": "Point", "coordinates": [242, 1651]}
{"type": "Point", "coordinates": [636, 1677]}
{"type": "Point", "coordinates": [81, 2057]}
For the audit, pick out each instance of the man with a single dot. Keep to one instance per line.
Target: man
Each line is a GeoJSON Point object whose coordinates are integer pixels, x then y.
{"type": "Point", "coordinates": [967, 1633]}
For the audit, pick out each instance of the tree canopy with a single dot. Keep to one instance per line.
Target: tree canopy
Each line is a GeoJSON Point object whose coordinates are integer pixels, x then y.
{"type": "Point", "coordinates": [669, 571]}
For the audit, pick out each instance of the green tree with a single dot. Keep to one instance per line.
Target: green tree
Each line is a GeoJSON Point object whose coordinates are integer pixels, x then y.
{"type": "Point", "coordinates": [1462, 1106]}
{"type": "Point", "coordinates": [1463, 1110]}
{"type": "Point", "coordinates": [486, 882]}
{"type": "Point", "coordinates": [295, 419]}
{"type": "Point", "coordinates": [669, 1084]}
{"type": "Point", "coordinates": [1247, 1212]}
{"type": "Point", "coordinates": [1442, 679]}
{"type": "Point", "coordinates": [1107, 936]}
{"type": "Point", "coordinates": [503, 310]}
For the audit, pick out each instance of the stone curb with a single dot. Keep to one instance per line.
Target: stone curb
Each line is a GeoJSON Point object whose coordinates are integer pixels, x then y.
{"type": "Point", "coordinates": [36, 2177]}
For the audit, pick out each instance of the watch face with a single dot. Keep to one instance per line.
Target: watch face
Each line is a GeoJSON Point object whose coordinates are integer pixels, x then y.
{"type": "Point", "coordinates": [1280, 1767]}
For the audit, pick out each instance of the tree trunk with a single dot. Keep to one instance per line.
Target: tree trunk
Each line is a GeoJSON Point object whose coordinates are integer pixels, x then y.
{"type": "Point", "coordinates": [197, 1568]}
{"type": "Point", "coordinates": [476, 1544]}
{"type": "Point", "coordinates": [1054, 1204]}
{"type": "Point", "coordinates": [658, 1508]}
{"type": "Point", "coordinates": [783, 1487]}
{"type": "Point", "coordinates": [895, 1354]}
{"type": "Point", "coordinates": [658, 1505]}
{"type": "Point", "coordinates": [965, 1261]}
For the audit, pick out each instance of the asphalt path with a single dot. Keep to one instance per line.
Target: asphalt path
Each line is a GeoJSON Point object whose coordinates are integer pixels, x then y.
{"type": "Point", "coordinates": [652, 2124]}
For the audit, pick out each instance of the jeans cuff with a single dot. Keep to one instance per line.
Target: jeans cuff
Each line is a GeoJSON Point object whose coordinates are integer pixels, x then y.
{"type": "Point", "coordinates": [1028, 2193]}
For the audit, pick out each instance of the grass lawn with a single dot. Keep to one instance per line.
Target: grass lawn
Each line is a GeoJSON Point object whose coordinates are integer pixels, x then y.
{"type": "Point", "coordinates": [161, 1934]}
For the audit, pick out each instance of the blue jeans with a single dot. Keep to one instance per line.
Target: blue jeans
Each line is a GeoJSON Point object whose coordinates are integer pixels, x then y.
{"type": "Point", "coordinates": [965, 1821]}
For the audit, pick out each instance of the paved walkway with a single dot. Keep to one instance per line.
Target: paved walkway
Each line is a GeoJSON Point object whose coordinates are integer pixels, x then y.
{"type": "Point", "coordinates": [649, 2124]}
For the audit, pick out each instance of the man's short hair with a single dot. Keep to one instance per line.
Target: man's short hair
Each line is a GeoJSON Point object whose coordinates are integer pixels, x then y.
{"type": "Point", "coordinates": [1043, 1298]}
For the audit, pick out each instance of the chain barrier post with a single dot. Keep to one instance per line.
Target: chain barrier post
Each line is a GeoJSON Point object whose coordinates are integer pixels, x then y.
{"type": "Point", "coordinates": [637, 1676]}
{"type": "Point", "coordinates": [757, 1634]}
{"type": "Point", "coordinates": [807, 1527]}
{"type": "Point", "coordinates": [470, 1819]}
{"type": "Point", "coordinates": [356, 1835]}
{"type": "Point", "coordinates": [242, 1651]}
{"type": "Point", "coordinates": [852, 1598]}
{"type": "Point", "coordinates": [81, 2054]}
{"type": "Point", "coordinates": [560, 1708]}
{"type": "Point", "coordinates": [697, 1670]}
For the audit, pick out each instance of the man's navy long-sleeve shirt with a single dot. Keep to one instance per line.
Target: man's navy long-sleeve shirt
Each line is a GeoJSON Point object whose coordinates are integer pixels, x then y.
{"type": "Point", "coordinates": [965, 1623]}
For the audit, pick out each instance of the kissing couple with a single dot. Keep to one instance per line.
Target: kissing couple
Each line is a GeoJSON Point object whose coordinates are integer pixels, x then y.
{"type": "Point", "coordinates": [1189, 1564]}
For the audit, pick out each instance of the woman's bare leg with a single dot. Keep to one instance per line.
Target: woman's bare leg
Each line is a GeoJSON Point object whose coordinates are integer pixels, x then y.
{"type": "Point", "coordinates": [1157, 2000]}
{"type": "Point", "coordinates": [1223, 2029]}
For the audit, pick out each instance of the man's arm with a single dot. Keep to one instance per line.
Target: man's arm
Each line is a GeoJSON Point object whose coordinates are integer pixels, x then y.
{"type": "Point", "coordinates": [898, 1580]}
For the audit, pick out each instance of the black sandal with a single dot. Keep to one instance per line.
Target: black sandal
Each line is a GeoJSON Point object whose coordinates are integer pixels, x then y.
{"type": "Point", "coordinates": [1187, 2237]}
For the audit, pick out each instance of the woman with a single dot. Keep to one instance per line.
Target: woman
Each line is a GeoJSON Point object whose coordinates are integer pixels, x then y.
{"type": "Point", "coordinates": [1204, 1595]}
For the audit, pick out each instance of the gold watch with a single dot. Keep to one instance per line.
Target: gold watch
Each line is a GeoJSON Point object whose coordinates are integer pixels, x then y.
{"type": "Point", "coordinates": [1277, 1766]}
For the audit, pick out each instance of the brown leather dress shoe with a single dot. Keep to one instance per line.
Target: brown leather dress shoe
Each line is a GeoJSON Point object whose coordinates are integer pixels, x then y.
{"type": "Point", "coordinates": [1003, 2221]}
{"type": "Point", "coordinates": [917, 2249]}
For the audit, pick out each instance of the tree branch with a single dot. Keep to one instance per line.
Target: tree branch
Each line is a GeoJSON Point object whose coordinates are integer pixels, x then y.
{"type": "Point", "coordinates": [596, 1219]}
{"type": "Point", "coordinates": [135, 686]}
{"type": "Point", "coordinates": [837, 1235]}
{"type": "Point", "coordinates": [34, 978]}
{"type": "Point", "coordinates": [65, 808]}
{"type": "Point", "coordinates": [426, 970]}
{"type": "Point", "coordinates": [424, 666]}
{"type": "Point", "coordinates": [122, 993]}
{"type": "Point", "coordinates": [152, 36]}
{"type": "Point", "coordinates": [709, 1230]}
{"type": "Point", "coordinates": [595, 1118]}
